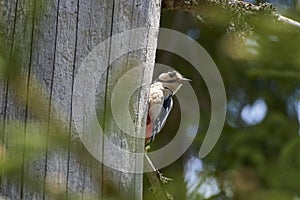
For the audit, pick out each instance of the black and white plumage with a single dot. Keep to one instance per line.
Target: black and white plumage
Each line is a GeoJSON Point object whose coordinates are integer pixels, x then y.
{"type": "Point", "coordinates": [161, 102]}
{"type": "Point", "coordinates": [162, 116]}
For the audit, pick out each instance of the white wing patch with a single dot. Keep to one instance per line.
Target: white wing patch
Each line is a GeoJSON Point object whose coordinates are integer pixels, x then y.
{"type": "Point", "coordinates": [156, 100]}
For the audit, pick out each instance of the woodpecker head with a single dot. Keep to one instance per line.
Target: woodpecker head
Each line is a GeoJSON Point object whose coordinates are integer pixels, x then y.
{"type": "Point", "coordinates": [172, 80]}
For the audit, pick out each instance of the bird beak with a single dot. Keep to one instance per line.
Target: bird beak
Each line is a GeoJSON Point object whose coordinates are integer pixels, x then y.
{"type": "Point", "coordinates": [184, 80]}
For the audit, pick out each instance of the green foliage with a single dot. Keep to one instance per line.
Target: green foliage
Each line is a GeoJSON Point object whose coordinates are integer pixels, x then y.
{"type": "Point", "coordinates": [258, 58]}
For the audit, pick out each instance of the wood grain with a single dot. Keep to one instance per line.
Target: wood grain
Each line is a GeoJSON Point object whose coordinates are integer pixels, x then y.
{"type": "Point", "coordinates": [49, 40]}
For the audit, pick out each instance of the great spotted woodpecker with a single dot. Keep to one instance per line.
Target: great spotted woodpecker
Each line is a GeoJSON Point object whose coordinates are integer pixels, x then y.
{"type": "Point", "coordinates": [161, 102]}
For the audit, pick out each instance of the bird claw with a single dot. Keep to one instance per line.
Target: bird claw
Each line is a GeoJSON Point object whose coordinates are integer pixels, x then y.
{"type": "Point", "coordinates": [163, 179]}
{"type": "Point", "coordinates": [147, 148]}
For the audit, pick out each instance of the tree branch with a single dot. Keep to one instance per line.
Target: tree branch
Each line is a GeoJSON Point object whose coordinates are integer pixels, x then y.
{"type": "Point", "coordinates": [288, 20]}
{"type": "Point", "coordinates": [204, 7]}
{"type": "Point", "coordinates": [158, 191]}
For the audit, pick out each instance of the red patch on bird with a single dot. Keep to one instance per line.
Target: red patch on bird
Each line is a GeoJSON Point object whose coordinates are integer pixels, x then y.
{"type": "Point", "coordinates": [149, 128]}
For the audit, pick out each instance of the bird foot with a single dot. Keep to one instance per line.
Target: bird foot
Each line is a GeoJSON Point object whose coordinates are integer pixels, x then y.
{"type": "Point", "coordinates": [147, 148]}
{"type": "Point", "coordinates": [163, 179]}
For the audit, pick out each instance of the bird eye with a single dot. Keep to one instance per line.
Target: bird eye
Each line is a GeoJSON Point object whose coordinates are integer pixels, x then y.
{"type": "Point", "coordinates": [172, 74]}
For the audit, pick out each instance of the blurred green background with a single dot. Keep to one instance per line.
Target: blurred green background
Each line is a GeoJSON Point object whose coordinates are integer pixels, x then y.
{"type": "Point", "coordinates": [257, 155]}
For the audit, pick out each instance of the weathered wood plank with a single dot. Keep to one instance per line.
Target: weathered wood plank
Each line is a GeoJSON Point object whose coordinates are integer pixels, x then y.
{"type": "Point", "coordinates": [11, 185]}
{"type": "Point", "coordinates": [52, 39]}
{"type": "Point", "coordinates": [43, 60]}
{"type": "Point", "coordinates": [132, 14]}
{"type": "Point", "coordinates": [74, 169]}
{"type": "Point", "coordinates": [7, 13]}
{"type": "Point", "coordinates": [94, 26]}
{"type": "Point", "coordinates": [61, 94]}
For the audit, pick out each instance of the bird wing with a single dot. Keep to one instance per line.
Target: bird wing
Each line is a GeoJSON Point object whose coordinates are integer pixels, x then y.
{"type": "Point", "coordinates": [163, 115]}
{"type": "Point", "coordinates": [159, 109]}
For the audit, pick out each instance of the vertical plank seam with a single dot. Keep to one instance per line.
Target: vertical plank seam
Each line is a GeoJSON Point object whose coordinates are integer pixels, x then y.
{"type": "Point", "coordinates": [105, 98]}
{"type": "Point", "coordinates": [27, 97]}
{"type": "Point", "coordinates": [84, 178]}
{"type": "Point", "coordinates": [135, 142]}
{"type": "Point", "coordinates": [72, 89]}
{"type": "Point", "coordinates": [6, 89]}
{"type": "Point", "coordinates": [136, 138]}
{"type": "Point", "coordinates": [50, 100]}
{"type": "Point", "coordinates": [84, 161]}
{"type": "Point", "coordinates": [121, 142]}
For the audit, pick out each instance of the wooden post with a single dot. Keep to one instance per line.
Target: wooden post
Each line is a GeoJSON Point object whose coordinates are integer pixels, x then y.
{"type": "Point", "coordinates": [49, 41]}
